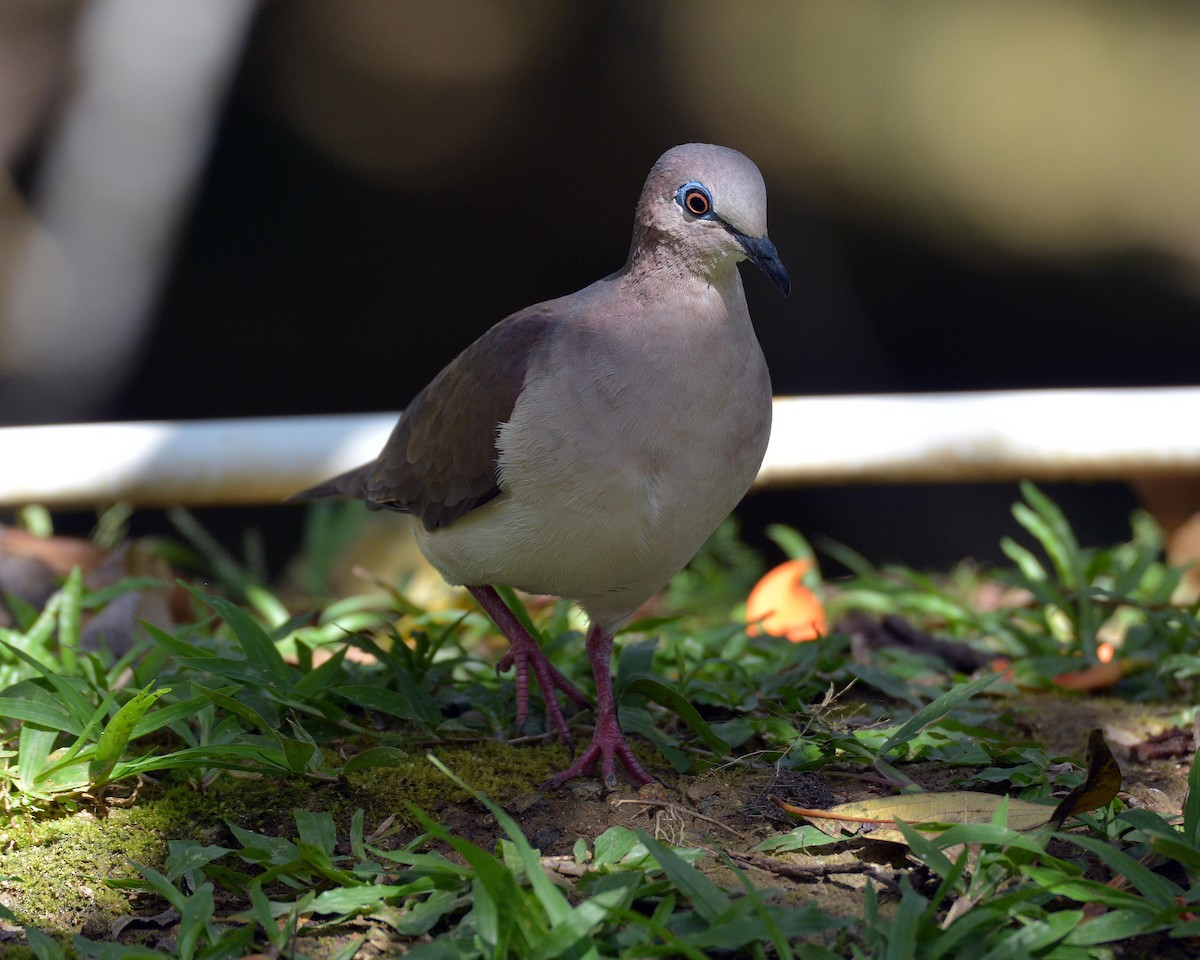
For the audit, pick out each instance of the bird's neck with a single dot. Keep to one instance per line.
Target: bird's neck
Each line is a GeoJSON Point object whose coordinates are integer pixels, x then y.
{"type": "Point", "coordinates": [658, 266]}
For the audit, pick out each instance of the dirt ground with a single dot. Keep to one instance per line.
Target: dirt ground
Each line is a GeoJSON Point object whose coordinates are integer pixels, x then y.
{"type": "Point", "coordinates": [728, 809]}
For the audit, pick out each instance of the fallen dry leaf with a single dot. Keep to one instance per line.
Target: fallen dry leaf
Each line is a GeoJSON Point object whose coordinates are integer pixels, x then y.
{"type": "Point", "coordinates": [946, 808]}
{"type": "Point", "coordinates": [782, 606]}
{"type": "Point", "coordinates": [953, 807]}
{"type": "Point", "coordinates": [892, 630]}
{"type": "Point", "coordinates": [1099, 787]}
{"type": "Point", "coordinates": [59, 554]}
{"type": "Point", "coordinates": [1099, 676]}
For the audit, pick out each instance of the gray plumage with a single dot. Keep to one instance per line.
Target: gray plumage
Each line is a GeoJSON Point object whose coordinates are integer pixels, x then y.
{"type": "Point", "coordinates": [587, 446]}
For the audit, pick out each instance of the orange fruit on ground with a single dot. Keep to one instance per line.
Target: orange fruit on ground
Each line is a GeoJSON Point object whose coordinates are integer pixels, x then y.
{"type": "Point", "coordinates": [782, 606]}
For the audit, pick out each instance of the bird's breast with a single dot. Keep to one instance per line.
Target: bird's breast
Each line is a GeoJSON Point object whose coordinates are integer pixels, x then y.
{"type": "Point", "coordinates": [659, 417]}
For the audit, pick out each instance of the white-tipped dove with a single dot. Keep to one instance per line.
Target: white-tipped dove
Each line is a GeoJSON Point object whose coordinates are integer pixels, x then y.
{"type": "Point", "coordinates": [587, 446]}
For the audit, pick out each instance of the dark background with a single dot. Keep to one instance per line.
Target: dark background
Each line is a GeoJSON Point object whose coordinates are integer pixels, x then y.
{"type": "Point", "coordinates": [965, 200]}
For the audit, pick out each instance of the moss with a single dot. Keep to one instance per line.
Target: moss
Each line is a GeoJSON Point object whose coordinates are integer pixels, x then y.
{"type": "Point", "coordinates": [56, 867]}
{"type": "Point", "coordinates": [491, 767]}
{"type": "Point", "coordinates": [494, 768]}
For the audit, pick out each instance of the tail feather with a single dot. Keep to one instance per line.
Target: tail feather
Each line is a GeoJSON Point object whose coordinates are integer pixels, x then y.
{"type": "Point", "coordinates": [348, 484]}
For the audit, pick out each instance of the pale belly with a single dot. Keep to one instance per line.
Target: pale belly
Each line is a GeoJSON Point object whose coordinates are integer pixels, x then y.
{"type": "Point", "coordinates": [606, 515]}
{"type": "Point", "coordinates": [609, 556]}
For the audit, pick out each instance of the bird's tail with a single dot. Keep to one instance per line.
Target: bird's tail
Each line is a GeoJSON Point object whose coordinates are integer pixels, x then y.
{"type": "Point", "coordinates": [348, 484]}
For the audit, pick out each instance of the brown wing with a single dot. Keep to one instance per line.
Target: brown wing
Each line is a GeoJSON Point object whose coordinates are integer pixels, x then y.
{"type": "Point", "coordinates": [440, 461]}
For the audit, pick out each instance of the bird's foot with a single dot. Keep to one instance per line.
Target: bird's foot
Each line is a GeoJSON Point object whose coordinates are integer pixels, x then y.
{"type": "Point", "coordinates": [525, 653]}
{"type": "Point", "coordinates": [608, 745]}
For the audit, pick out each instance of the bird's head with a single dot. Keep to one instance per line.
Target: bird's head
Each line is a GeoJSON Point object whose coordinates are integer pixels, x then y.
{"type": "Point", "coordinates": [707, 206]}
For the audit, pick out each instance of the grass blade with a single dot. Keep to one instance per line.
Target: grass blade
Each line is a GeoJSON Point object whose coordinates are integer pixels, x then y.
{"type": "Point", "coordinates": [673, 700]}
{"type": "Point", "coordinates": [259, 647]}
{"type": "Point", "coordinates": [1149, 884]}
{"type": "Point", "coordinates": [34, 711]}
{"type": "Point", "coordinates": [75, 702]}
{"type": "Point", "coordinates": [69, 618]}
{"type": "Point", "coordinates": [709, 899]}
{"type": "Point", "coordinates": [119, 731]}
{"type": "Point", "coordinates": [936, 709]}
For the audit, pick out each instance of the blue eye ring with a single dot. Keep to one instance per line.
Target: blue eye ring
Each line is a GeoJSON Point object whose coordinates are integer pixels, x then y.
{"type": "Point", "coordinates": [695, 199]}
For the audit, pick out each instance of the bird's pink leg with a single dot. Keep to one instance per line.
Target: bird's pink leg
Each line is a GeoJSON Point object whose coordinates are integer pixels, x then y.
{"type": "Point", "coordinates": [523, 653]}
{"type": "Point", "coordinates": [608, 741]}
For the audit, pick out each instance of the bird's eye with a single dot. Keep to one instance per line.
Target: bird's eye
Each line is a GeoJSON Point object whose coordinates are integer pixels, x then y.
{"type": "Point", "coordinates": [695, 199]}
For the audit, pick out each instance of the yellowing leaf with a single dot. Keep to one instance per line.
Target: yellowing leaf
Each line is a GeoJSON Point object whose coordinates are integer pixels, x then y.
{"type": "Point", "coordinates": [876, 817]}
{"type": "Point", "coordinates": [953, 807]}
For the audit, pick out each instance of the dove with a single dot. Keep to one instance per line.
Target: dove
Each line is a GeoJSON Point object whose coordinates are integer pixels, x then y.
{"type": "Point", "coordinates": [587, 446]}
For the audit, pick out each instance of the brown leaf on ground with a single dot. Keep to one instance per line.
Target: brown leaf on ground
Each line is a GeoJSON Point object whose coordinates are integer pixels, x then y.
{"type": "Point", "coordinates": [1173, 744]}
{"type": "Point", "coordinates": [32, 569]}
{"type": "Point", "coordinates": [58, 554]}
{"type": "Point", "coordinates": [895, 631]}
{"type": "Point", "coordinates": [1098, 676]}
{"type": "Point", "coordinates": [1102, 783]}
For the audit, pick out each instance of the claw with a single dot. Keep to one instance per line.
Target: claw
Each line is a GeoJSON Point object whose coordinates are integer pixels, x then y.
{"type": "Point", "coordinates": [608, 745]}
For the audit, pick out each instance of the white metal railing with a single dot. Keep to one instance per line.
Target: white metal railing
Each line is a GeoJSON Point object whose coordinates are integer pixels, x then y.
{"type": "Point", "coordinates": [878, 439]}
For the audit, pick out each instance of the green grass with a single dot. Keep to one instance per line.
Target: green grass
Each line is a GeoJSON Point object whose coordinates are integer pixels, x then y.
{"type": "Point", "coordinates": [240, 711]}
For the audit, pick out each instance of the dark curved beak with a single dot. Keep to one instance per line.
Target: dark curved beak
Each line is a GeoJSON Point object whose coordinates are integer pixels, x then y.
{"type": "Point", "coordinates": [762, 253]}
